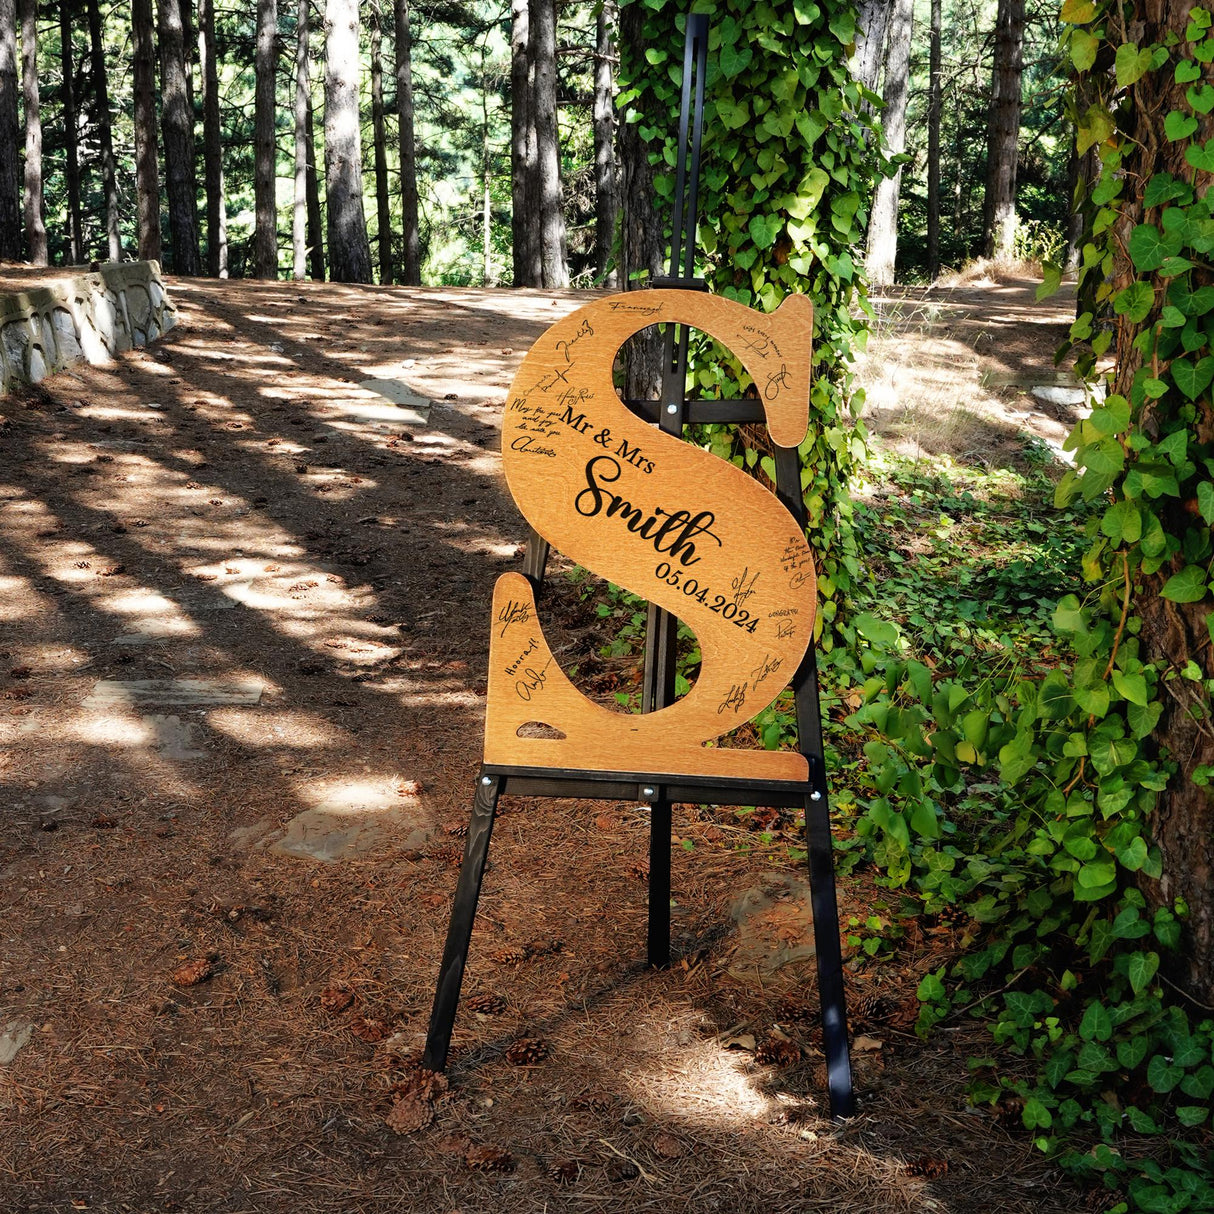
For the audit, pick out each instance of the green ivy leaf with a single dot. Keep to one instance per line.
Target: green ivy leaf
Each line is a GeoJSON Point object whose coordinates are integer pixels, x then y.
{"type": "Point", "coordinates": [1094, 127]}
{"type": "Point", "coordinates": [1143, 718]}
{"type": "Point", "coordinates": [1142, 969]}
{"type": "Point", "coordinates": [1162, 1075]}
{"type": "Point", "coordinates": [1035, 1115]}
{"type": "Point", "coordinates": [764, 229]}
{"type": "Point", "coordinates": [1083, 49]}
{"type": "Point", "coordinates": [1187, 586]}
{"type": "Point", "coordinates": [734, 59]}
{"type": "Point", "coordinates": [1130, 63]}
{"type": "Point", "coordinates": [1201, 158]}
{"type": "Point", "coordinates": [1078, 12]}
{"type": "Point", "coordinates": [1133, 856]}
{"type": "Point", "coordinates": [1193, 379]}
{"type": "Point", "coordinates": [1133, 687]}
{"type": "Point", "coordinates": [1097, 1024]}
{"type": "Point", "coordinates": [1186, 71]}
{"type": "Point", "coordinates": [1201, 99]}
{"type": "Point", "coordinates": [1149, 248]}
{"type": "Point", "coordinates": [1178, 126]}
{"type": "Point", "coordinates": [1192, 1114]}
{"type": "Point", "coordinates": [1135, 301]}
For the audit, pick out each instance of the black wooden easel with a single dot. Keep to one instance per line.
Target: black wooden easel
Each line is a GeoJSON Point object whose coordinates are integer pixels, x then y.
{"type": "Point", "coordinates": [661, 790]}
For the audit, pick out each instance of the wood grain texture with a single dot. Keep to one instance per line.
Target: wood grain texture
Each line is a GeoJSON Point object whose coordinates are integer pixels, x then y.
{"type": "Point", "coordinates": [669, 522]}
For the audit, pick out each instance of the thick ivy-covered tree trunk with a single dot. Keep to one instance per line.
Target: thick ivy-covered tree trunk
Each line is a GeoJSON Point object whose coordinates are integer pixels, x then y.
{"type": "Point", "coordinates": [177, 126]}
{"type": "Point", "coordinates": [882, 251]}
{"type": "Point", "coordinates": [35, 226]}
{"type": "Point", "coordinates": [147, 176]}
{"type": "Point", "coordinates": [105, 139]}
{"type": "Point", "coordinates": [789, 166]}
{"type": "Point", "coordinates": [410, 229]}
{"type": "Point", "coordinates": [1149, 448]}
{"type": "Point", "coordinates": [349, 248]}
{"type": "Point", "coordinates": [1003, 135]}
{"type": "Point", "coordinates": [265, 150]}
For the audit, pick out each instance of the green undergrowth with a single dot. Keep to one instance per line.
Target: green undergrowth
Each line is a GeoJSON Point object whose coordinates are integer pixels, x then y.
{"type": "Point", "coordinates": [983, 718]}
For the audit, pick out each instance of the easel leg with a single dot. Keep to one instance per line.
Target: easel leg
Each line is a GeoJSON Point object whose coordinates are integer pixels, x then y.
{"type": "Point", "coordinates": [830, 955]}
{"type": "Point", "coordinates": [659, 884]}
{"type": "Point", "coordinates": [459, 930]}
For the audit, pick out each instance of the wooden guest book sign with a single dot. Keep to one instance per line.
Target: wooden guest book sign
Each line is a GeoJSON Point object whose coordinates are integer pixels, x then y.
{"type": "Point", "coordinates": [669, 521]}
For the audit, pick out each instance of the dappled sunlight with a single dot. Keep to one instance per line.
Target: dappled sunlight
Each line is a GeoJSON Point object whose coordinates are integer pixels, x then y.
{"type": "Point", "coordinates": [290, 729]}
{"type": "Point", "coordinates": [354, 796]}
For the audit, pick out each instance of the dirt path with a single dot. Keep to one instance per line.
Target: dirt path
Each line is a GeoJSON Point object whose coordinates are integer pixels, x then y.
{"type": "Point", "coordinates": [243, 605]}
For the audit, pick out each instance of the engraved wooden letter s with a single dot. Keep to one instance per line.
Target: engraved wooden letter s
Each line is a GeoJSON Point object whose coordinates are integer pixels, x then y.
{"type": "Point", "coordinates": [668, 521]}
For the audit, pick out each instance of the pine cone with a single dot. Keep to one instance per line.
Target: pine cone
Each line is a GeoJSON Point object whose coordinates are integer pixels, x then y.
{"type": "Point", "coordinates": [872, 1008]}
{"type": "Point", "coordinates": [336, 998]}
{"type": "Point", "coordinates": [777, 1051]}
{"type": "Point", "coordinates": [421, 1082]}
{"type": "Point", "coordinates": [489, 1159]}
{"type": "Point", "coordinates": [927, 1166]}
{"type": "Point", "coordinates": [457, 829]}
{"type": "Point", "coordinates": [639, 869]}
{"type": "Point", "coordinates": [448, 853]}
{"type": "Point", "coordinates": [486, 1005]}
{"type": "Point", "coordinates": [527, 1051]}
{"type": "Point", "coordinates": [512, 954]}
{"type": "Point", "coordinates": [564, 1171]}
{"type": "Point", "coordinates": [790, 1011]}
{"type": "Point", "coordinates": [369, 1029]}
{"type": "Point", "coordinates": [408, 1114]}
{"type": "Point", "coordinates": [192, 973]}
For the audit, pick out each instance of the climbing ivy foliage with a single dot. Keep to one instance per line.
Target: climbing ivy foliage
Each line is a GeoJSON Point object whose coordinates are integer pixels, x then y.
{"type": "Point", "coordinates": [788, 165]}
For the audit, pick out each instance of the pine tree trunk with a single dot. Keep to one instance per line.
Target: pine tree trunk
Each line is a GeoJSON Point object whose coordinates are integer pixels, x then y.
{"type": "Point", "coordinates": [488, 273]}
{"type": "Point", "coordinates": [177, 128]}
{"type": "Point", "coordinates": [212, 147]}
{"type": "Point", "coordinates": [1003, 133]}
{"type": "Point", "coordinates": [35, 226]}
{"type": "Point", "coordinates": [379, 136]}
{"type": "Point", "coordinates": [553, 256]}
{"type": "Point", "coordinates": [883, 222]}
{"type": "Point", "coordinates": [10, 175]}
{"type": "Point", "coordinates": [642, 239]}
{"type": "Point", "coordinates": [605, 203]}
{"type": "Point", "coordinates": [316, 240]}
{"type": "Point", "coordinates": [265, 146]}
{"type": "Point", "coordinates": [524, 230]}
{"type": "Point", "coordinates": [871, 23]}
{"type": "Point", "coordinates": [105, 137]}
{"type": "Point", "coordinates": [299, 115]}
{"type": "Point", "coordinates": [411, 268]}
{"type": "Point", "coordinates": [147, 171]}
{"type": "Point", "coordinates": [933, 146]}
{"type": "Point", "coordinates": [71, 134]}
{"type": "Point", "coordinates": [349, 249]}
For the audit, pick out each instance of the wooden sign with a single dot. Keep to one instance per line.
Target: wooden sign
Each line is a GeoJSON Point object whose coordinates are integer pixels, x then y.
{"type": "Point", "coordinates": [668, 521]}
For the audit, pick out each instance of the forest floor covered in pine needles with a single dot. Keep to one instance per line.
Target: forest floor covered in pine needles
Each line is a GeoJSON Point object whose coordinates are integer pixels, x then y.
{"type": "Point", "coordinates": [200, 1012]}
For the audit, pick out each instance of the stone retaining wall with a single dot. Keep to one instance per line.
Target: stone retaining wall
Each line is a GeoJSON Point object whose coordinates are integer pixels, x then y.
{"type": "Point", "coordinates": [90, 318]}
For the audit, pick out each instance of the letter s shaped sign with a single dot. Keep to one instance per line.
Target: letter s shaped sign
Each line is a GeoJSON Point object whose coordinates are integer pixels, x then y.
{"type": "Point", "coordinates": [668, 521]}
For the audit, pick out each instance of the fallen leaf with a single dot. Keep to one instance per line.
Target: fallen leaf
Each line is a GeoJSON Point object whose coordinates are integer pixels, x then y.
{"type": "Point", "coordinates": [861, 1044]}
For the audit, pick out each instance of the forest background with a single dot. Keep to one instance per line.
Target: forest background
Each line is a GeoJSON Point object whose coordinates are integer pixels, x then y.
{"type": "Point", "coordinates": [1019, 722]}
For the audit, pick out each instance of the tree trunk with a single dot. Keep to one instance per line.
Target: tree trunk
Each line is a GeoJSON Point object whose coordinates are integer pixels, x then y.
{"type": "Point", "coordinates": [265, 146]}
{"type": "Point", "coordinates": [1003, 133]}
{"type": "Point", "coordinates": [524, 231]}
{"type": "Point", "coordinates": [147, 171]}
{"type": "Point", "coordinates": [553, 256]}
{"type": "Point", "coordinates": [177, 127]}
{"type": "Point", "coordinates": [71, 134]}
{"type": "Point", "coordinates": [316, 241]}
{"type": "Point", "coordinates": [488, 273]}
{"type": "Point", "coordinates": [642, 242]}
{"type": "Point", "coordinates": [605, 205]}
{"type": "Point", "coordinates": [299, 203]}
{"type": "Point", "coordinates": [411, 268]}
{"type": "Point", "coordinates": [383, 212]}
{"type": "Point", "coordinates": [883, 222]}
{"type": "Point", "coordinates": [871, 23]}
{"type": "Point", "coordinates": [35, 225]}
{"type": "Point", "coordinates": [212, 147]}
{"type": "Point", "coordinates": [1173, 635]}
{"type": "Point", "coordinates": [10, 188]}
{"type": "Point", "coordinates": [105, 138]}
{"type": "Point", "coordinates": [933, 147]}
{"type": "Point", "coordinates": [349, 249]}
